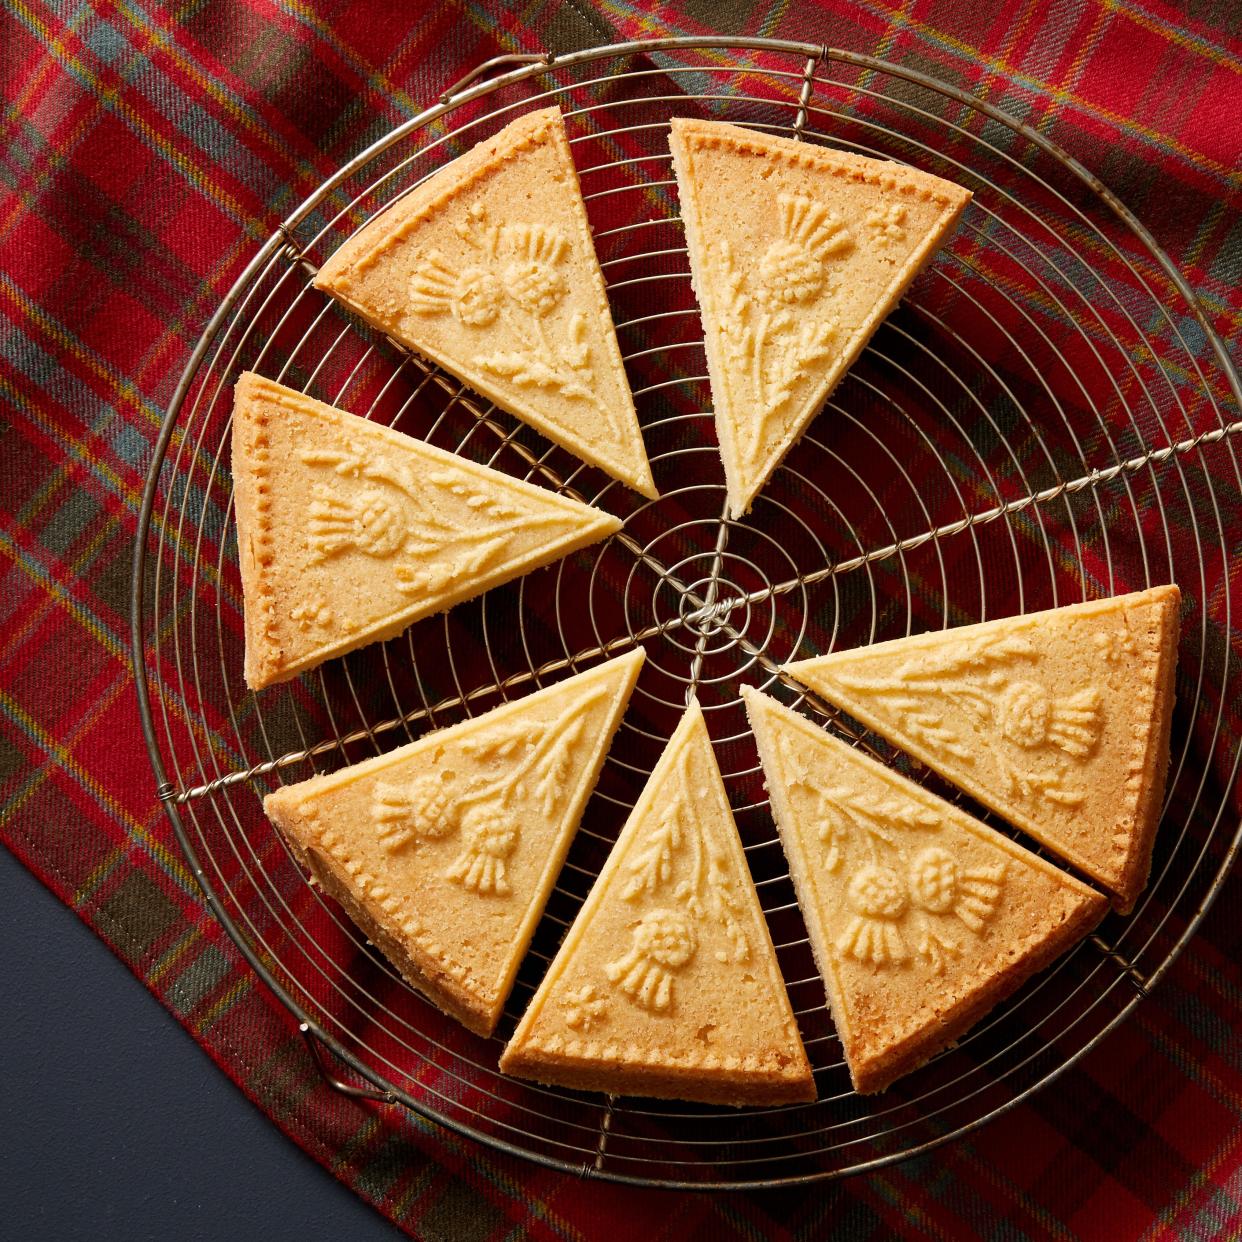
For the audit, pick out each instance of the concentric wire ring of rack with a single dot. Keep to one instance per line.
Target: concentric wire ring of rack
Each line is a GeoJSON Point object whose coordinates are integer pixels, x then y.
{"type": "Point", "coordinates": [1048, 416]}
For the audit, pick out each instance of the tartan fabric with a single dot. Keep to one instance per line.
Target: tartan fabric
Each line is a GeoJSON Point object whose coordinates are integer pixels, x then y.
{"type": "Point", "coordinates": [147, 151]}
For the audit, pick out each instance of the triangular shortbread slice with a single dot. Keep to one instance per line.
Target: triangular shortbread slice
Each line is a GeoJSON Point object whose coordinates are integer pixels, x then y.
{"type": "Point", "coordinates": [349, 531]}
{"type": "Point", "coordinates": [445, 851]}
{"type": "Point", "coordinates": [797, 253]}
{"type": "Point", "coordinates": [488, 269]}
{"type": "Point", "coordinates": [667, 983]}
{"type": "Point", "coordinates": [920, 917]}
{"type": "Point", "coordinates": [1057, 720]}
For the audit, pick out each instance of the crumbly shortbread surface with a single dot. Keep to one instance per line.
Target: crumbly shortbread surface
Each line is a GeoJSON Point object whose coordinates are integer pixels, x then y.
{"type": "Point", "coordinates": [445, 850]}
{"type": "Point", "coordinates": [1057, 720]}
{"type": "Point", "coordinates": [488, 268]}
{"type": "Point", "coordinates": [797, 252]}
{"type": "Point", "coordinates": [667, 983]}
{"type": "Point", "coordinates": [920, 917]}
{"type": "Point", "coordinates": [349, 531]}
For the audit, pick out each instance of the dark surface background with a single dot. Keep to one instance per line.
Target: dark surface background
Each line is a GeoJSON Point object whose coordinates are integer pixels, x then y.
{"type": "Point", "coordinates": [116, 1124]}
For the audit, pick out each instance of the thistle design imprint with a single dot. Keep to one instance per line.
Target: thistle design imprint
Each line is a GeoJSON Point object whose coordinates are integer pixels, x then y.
{"type": "Point", "coordinates": [485, 813]}
{"type": "Point", "coordinates": [472, 296]}
{"type": "Point", "coordinates": [793, 269]}
{"type": "Point", "coordinates": [883, 900]}
{"type": "Point", "coordinates": [423, 810]}
{"type": "Point", "coordinates": [902, 902]}
{"type": "Point", "coordinates": [490, 836]}
{"type": "Point", "coordinates": [673, 846]}
{"type": "Point", "coordinates": [368, 521]}
{"type": "Point", "coordinates": [1041, 738]}
{"type": "Point", "coordinates": [664, 941]}
{"type": "Point", "coordinates": [438, 530]}
{"type": "Point", "coordinates": [674, 862]}
{"type": "Point", "coordinates": [1030, 718]}
{"type": "Point", "coordinates": [517, 283]}
{"type": "Point", "coordinates": [767, 335]}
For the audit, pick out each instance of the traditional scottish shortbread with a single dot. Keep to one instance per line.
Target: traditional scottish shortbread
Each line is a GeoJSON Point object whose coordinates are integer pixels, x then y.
{"type": "Point", "coordinates": [797, 253]}
{"type": "Point", "coordinates": [348, 531]}
{"type": "Point", "coordinates": [1058, 720]}
{"type": "Point", "coordinates": [444, 851]}
{"type": "Point", "coordinates": [920, 917]}
{"type": "Point", "coordinates": [488, 269]}
{"type": "Point", "coordinates": [667, 983]}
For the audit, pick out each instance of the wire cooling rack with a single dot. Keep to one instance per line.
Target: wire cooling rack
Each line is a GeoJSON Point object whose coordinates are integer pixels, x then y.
{"type": "Point", "coordinates": [1047, 417]}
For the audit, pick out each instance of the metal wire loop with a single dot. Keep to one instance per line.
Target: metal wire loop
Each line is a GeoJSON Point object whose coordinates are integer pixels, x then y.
{"type": "Point", "coordinates": [315, 1044]}
{"type": "Point", "coordinates": [507, 61]}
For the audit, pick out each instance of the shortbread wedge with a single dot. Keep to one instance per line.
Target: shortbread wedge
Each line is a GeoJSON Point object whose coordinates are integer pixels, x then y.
{"type": "Point", "coordinates": [488, 269]}
{"type": "Point", "coordinates": [667, 983]}
{"type": "Point", "coordinates": [797, 253]}
{"type": "Point", "coordinates": [445, 851]}
{"type": "Point", "coordinates": [1057, 720]}
{"type": "Point", "coordinates": [920, 917]}
{"type": "Point", "coordinates": [348, 531]}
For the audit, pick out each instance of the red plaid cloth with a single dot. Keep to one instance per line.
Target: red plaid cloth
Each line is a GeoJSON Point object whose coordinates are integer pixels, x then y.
{"type": "Point", "coordinates": [146, 154]}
